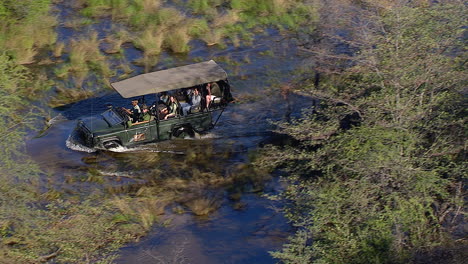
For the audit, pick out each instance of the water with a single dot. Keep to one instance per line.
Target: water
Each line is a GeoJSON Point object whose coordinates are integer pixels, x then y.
{"type": "Point", "coordinates": [246, 225]}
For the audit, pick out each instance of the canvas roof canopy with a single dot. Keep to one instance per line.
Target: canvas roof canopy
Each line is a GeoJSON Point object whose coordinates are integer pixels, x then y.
{"type": "Point", "coordinates": [170, 79]}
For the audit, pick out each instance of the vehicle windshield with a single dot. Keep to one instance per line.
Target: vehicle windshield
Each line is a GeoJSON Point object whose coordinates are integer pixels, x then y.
{"type": "Point", "coordinates": [112, 117]}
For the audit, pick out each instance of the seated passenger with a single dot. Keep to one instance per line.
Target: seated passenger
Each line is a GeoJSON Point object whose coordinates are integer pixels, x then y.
{"type": "Point", "coordinates": [164, 98]}
{"type": "Point", "coordinates": [209, 96]}
{"type": "Point", "coordinates": [173, 107]}
{"type": "Point", "coordinates": [194, 104]}
{"type": "Point", "coordinates": [162, 112]}
{"type": "Point", "coordinates": [146, 115]}
{"type": "Point", "coordinates": [181, 96]}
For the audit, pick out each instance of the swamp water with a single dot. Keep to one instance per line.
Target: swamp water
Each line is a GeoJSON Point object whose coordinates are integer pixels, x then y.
{"type": "Point", "coordinates": [242, 225]}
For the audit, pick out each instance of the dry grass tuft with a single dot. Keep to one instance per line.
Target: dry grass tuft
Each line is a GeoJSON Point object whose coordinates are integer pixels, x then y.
{"type": "Point", "coordinates": [84, 51]}
{"type": "Point", "coordinates": [26, 56]}
{"type": "Point", "coordinates": [116, 40]}
{"type": "Point", "coordinates": [143, 210]}
{"type": "Point", "coordinates": [67, 96]}
{"type": "Point", "coordinates": [58, 49]}
{"type": "Point", "coordinates": [178, 40]}
{"type": "Point", "coordinates": [217, 33]}
{"type": "Point", "coordinates": [150, 41]}
{"type": "Point", "coordinates": [280, 6]}
{"type": "Point", "coordinates": [170, 17]}
{"type": "Point", "coordinates": [213, 37]}
{"type": "Point", "coordinates": [151, 6]}
{"type": "Point", "coordinates": [203, 205]}
{"type": "Point", "coordinates": [229, 18]}
{"type": "Point", "coordinates": [147, 61]}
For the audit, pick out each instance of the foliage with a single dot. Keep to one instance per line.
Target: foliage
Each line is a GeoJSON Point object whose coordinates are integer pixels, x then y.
{"type": "Point", "coordinates": [14, 86]}
{"type": "Point", "coordinates": [374, 174]}
{"type": "Point", "coordinates": [25, 27]}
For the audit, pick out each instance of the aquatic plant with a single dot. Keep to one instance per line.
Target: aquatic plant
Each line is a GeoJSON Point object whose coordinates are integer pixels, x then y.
{"type": "Point", "coordinates": [203, 205]}
{"type": "Point", "coordinates": [169, 17]}
{"type": "Point", "coordinates": [178, 40]}
{"type": "Point", "coordinates": [116, 40]}
{"type": "Point", "coordinates": [66, 96]}
{"type": "Point", "coordinates": [216, 22]}
{"type": "Point", "coordinates": [150, 41]}
{"type": "Point", "coordinates": [78, 23]}
{"type": "Point", "coordinates": [24, 41]}
{"type": "Point", "coordinates": [85, 60]}
{"type": "Point", "coordinates": [58, 49]}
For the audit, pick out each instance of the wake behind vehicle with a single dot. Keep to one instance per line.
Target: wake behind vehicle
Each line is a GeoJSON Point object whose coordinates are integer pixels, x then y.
{"type": "Point", "coordinates": [114, 127]}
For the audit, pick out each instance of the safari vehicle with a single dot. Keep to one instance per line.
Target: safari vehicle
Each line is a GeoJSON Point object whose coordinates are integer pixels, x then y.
{"type": "Point", "coordinates": [112, 128]}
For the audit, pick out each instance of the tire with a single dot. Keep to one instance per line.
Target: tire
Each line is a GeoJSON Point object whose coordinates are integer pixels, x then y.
{"type": "Point", "coordinates": [183, 132]}
{"type": "Point", "coordinates": [111, 144]}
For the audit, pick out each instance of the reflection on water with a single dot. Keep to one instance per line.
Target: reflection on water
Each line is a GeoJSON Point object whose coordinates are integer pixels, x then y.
{"type": "Point", "coordinates": [230, 235]}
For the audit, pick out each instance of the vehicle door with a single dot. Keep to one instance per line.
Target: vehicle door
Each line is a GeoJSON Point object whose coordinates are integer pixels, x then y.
{"type": "Point", "coordinates": [139, 133]}
{"type": "Point", "coordinates": [165, 127]}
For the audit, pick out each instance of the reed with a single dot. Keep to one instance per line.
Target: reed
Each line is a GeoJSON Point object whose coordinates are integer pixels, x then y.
{"type": "Point", "coordinates": [147, 62]}
{"type": "Point", "coordinates": [203, 205]}
{"type": "Point", "coordinates": [167, 18]}
{"type": "Point", "coordinates": [115, 41]}
{"type": "Point", "coordinates": [58, 49]}
{"type": "Point", "coordinates": [229, 18]}
{"type": "Point", "coordinates": [77, 23]}
{"type": "Point", "coordinates": [97, 8]}
{"type": "Point", "coordinates": [146, 217]}
{"type": "Point", "coordinates": [203, 7]}
{"type": "Point", "coordinates": [150, 6]}
{"type": "Point", "coordinates": [150, 41]}
{"type": "Point", "coordinates": [66, 96]}
{"type": "Point", "coordinates": [102, 67]}
{"type": "Point", "coordinates": [197, 27]}
{"type": "Point", "coordinates": [141, 210]}
{"type": "Point", "coordinates": [26, 56]}
{"type": "Point", "coordinates": [126, 70]}
{"type": "Point", "coordinates": [218, 27]}
{"type": "Point", "coordinates": [213, 37]}
{"type": "Point", "coordinates": [177, 41]}
{"type": "Point", "coordinates": [63, 71]}
{"type": "Point", "coordinates": [25, 40]}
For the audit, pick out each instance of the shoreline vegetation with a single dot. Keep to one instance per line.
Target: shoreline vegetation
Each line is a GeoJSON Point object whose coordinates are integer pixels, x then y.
{"type": "Point", "coordinates": [375, 171]}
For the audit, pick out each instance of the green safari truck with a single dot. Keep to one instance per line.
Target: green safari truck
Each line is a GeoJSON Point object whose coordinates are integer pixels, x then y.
{"type": "Point", "coordinates": [114, 127]}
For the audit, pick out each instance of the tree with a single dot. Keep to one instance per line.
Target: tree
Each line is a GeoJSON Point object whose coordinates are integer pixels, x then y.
{"type": "Point", "coordinates": [378, 168]}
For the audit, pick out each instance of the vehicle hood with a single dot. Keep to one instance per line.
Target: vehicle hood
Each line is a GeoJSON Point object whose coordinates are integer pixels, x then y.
{"type": "Point", "coordinates": [96, 124]}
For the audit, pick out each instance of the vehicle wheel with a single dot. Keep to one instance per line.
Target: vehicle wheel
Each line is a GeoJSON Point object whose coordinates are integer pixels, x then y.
{"type": "Point", "coordinates": [183, 132]}
{"type": "Point", "coordinates": [111, 144]}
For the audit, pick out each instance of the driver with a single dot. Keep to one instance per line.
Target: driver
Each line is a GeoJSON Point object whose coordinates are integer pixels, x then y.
{"type": "Point", "coordinates": [135, 112]}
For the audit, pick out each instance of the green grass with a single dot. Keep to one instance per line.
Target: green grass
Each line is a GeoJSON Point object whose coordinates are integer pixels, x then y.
{"type": "Point", "coordinates": [235, 22]}
{"type": "Point", "coordinates": [178, 40]}
{"type": "Point", "coordinates": [150, 41]}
